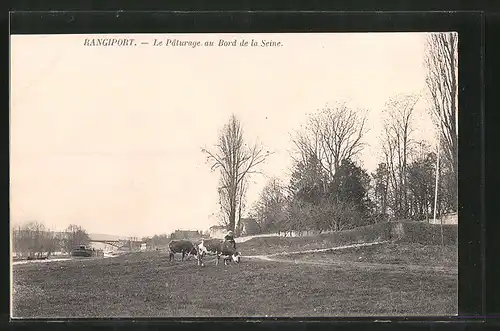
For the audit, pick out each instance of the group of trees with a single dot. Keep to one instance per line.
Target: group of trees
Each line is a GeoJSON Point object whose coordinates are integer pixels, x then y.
{"type": "Point", "coordinates": [404, 180]}
{"type": "Point", "coordinates": [161, 240]}
{"type": "Point", "coordinates": [328, 189]}
{"type": "Point", "coordinates": [34, 238]}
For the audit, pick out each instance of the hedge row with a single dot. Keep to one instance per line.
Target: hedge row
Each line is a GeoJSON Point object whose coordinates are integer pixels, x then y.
{"type": "Point", "coordinates": [408, 232]}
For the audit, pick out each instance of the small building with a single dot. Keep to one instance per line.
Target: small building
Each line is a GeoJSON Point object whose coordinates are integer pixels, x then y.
{"type": "Point", "coordinates": [451, 218]}
{"type": "Point", "coordinates": [217, 231]}
{"type": "Point", "coordinates": [144, 247]}
{"type": "Point", "coordinates": [249, 227]}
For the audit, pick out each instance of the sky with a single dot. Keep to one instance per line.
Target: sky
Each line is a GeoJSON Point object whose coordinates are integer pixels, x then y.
{"type": "Point", "coordinates": [110, 138]}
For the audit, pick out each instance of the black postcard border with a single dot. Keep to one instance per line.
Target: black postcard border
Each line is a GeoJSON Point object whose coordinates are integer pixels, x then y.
{"type": "Point", "coordinates": [470, 26]}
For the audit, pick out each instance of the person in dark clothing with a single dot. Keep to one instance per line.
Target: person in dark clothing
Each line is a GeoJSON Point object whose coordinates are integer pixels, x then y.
{"type": "Point", "coordinates": [230, 237]}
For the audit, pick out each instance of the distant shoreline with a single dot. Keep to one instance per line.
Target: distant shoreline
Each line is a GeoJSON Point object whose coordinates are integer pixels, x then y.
{"type": "Point", "coordinates": [66, 258]}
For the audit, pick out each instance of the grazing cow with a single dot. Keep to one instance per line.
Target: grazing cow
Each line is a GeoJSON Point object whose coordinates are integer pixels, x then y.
{"type": "Point", "coordinates": [221, 248]}
{"type": "Point", "coordinates": [181, 246]}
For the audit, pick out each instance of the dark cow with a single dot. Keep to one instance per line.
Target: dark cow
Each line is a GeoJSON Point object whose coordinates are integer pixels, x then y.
{"type": "Point", "coordinates": [181, 246]}
{"type": "Point", "coordinates": [220, 248]}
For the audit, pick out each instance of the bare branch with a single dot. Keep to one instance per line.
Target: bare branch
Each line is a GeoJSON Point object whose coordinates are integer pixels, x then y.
{"type": "Point", "coordinates": [332, 135]}
{"type": "Point", "coordinates": [236, 162]}
{"type": "Point", "coordinates": [441, 62]}
{"type": "Point", "coordinates": [396, 146]}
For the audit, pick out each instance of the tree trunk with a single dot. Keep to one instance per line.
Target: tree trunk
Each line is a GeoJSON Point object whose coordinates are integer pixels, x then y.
{"type": "Point", "coordinates": [232, 217]}
{"type": "Point", "coordinates": [427, 211]}
{"type": "Point", "coordinates": [238, 223]}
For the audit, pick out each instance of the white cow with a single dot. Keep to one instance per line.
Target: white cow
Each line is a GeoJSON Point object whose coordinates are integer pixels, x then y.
{"type": "Point", "coordinates": [220, 248]}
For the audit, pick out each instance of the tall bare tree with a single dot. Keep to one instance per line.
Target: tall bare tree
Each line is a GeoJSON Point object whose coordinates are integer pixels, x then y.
{"type": "Point", "coordinates": [421, 174]}
{"type": "Point", "coordinates": [307, 143]}
{"type": "Point", "coordinates": [333, 134]}
{"type": "Point", "coordinates": [235, 160]}
{"type": "Point", "coordinates": [396, 147]}
{"type": "Point", "coordinates": [224, 203]}
{"type": "Point", "coordinates": [242, 190]}
{"type": "Point", "coordinates": [380, 188]}
{"type": "Point", "coordinates": [442, 81]}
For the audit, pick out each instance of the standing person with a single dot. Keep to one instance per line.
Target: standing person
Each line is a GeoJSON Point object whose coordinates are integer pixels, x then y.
{"type": "Point", "coordinates": [230, 237]}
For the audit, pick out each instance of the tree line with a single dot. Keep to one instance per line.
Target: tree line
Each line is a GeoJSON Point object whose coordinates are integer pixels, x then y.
{"type": "Point", "coordinates": [162, 240]}
{"type": "Point", "coordinates": [329, 190]}
{"type": "Point", "coordinates": [34, 238]}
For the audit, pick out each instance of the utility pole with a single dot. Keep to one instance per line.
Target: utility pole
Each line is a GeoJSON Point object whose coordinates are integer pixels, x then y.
{"type": "Point", "coordinates": [436, 189]}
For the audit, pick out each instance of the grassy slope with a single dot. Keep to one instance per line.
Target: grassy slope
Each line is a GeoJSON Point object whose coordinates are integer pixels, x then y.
{"type": "Point", "coordinates": [413, 232]}
{"type": "Point", "coordinates": [390, 253]}
{"type": "Point", "coordinates": [146, 284]}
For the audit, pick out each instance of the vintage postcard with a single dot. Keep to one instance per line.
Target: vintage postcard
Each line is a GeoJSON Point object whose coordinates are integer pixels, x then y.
{"type": "Point", "coordinates": [234, 175]}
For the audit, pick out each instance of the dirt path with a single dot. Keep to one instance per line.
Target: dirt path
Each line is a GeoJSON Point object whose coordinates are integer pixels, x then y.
{"type": "Point", "coordinates": [338, 248]}
{"type": "Point", "coordinates": [399, 268]}
{"type": "Point", "coordinates": [319, 250]}
{"type": "Point", "coordinates": [106, 256]}
{"type": "Point", "coordinates": [40, 261]}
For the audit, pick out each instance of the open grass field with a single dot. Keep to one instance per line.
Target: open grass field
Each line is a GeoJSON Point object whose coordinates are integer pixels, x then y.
{"type": "Point", "coordinates": [389, 279]}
